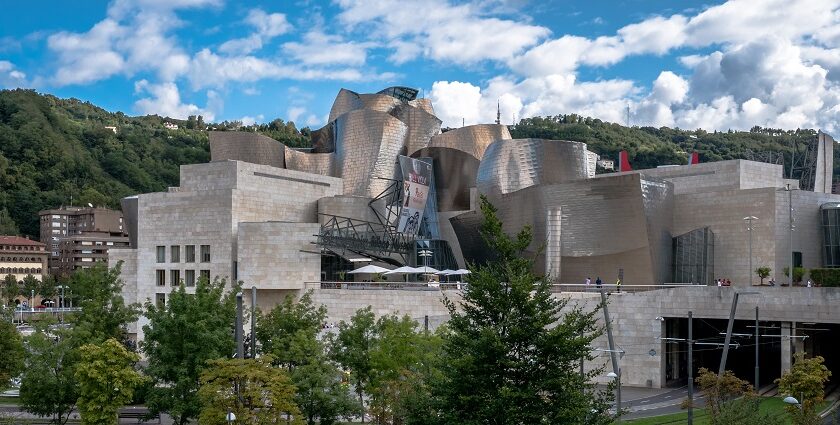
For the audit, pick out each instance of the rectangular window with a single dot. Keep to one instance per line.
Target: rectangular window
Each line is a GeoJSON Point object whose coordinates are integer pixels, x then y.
{"type": "Point", "coordinates": [205, 253]}
{"type": "Point", "coordinates": [160, 300]}
{"type": "Point", "coordinates": [161, 254]}
{"type": "Point", "coordinates": [189, 277]}
{"type": "Point", "coordinates": [189, 253]}
{"type": "Point", "coordinates": [205, 274]}
{"type": "Point", "coordinates": [175, 277]}
{"type": "Point", "coordinates": [175, 253]}
{"type": "Point", "coordinates": [160, 277]}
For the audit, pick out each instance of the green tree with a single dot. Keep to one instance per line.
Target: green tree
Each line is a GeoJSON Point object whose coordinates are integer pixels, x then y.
{"type": "Point", "coordinates": [763, 272]}
{"type": "Point", "coordinates": [104, 314]}
{"type": "Point", "coordinates": [7, 224]}
{"type": "Point", "coordinates": [722, 393]}
{"type": "Point", "coordinates": [806, 382]}
{"type": "Point", "coordinates": [179, 340]}
{"type": "Point", "coordinates": [351, 348]}
{"type": "Point", "coordinates": [29, 286]}
{"type": "Point", "coordinates": [107, 380]}
{"type": "Point", "coordinates": [289, 334]}
{"type": "Point", "coordinates": [745, 410]}
{"type": "Point", "coordinates": [798, 273]}
{"type": "Point", "coordinates": [48, 386]}
{"type": "Point", "coordinates": [512, 349]}
{"type": "Point", "coordinates": [264, 394]}
{"type": "Point", "coordinates": [10, 289]}
{"type": "Point", "coordinates": [11, 350]}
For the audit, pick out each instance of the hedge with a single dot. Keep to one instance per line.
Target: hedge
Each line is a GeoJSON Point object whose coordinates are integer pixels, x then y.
{"type": "Point", "coordinates": [826, 277]}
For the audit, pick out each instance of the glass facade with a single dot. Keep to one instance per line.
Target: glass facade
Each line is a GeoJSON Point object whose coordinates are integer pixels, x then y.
{"type": "Point", "coordinates": [831, 234]}
{"type": "Point", "coordinates": [441, 257]}
{"type": "Point", "coordinates": [694, 257]}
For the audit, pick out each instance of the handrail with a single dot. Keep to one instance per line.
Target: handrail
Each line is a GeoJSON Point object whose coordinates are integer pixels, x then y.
{"type": "Point", "coordinates": [582, 287]}
{"type": "Point", "coordinates": [387, 285]}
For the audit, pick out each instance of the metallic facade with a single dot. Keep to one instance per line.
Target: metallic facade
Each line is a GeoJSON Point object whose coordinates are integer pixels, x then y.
{"type": "Point", "coordinates": [248, 147]}
{"type": "Point", "coordinates": [511, 165]}
{"type": "Point", "coordinates": [472, 139]}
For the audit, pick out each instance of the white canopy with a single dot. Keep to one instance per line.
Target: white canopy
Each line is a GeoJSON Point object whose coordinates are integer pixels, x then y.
{"type": "Point", "coordinates": [370, 268]}
{"type": "Point", "coordinates": [460, 272]}
{"type": "Point", "coordinates": [426, 270]}
{"type": "Point", "coordinates": [403, 270]}
{"type": "Point", "coordinates": [446, 272]}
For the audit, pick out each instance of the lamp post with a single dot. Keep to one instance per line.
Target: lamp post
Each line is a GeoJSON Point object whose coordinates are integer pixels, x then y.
{"type": "Point", "coordinates": [425, 253]}
{"type": "Point", "coordinates": [617, 377]}
{"type": "Point", "coordinates": [61, 301]}
{"type": "Point", "coordinates": [230, 417]}
{"type": "Point", "coordinates": [792, 400]}
{"type": "Point", "coordinates": [749, 221]}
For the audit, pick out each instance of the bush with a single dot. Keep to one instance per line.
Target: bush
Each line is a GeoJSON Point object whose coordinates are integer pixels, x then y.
{"type": "Point", "coordinates": [826, 277]}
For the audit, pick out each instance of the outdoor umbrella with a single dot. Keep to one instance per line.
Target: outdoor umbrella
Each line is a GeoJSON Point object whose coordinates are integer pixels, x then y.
{"type": "Point", "coordinates": [446, 273]}
{"type": "Point", "coordinates": [370, 268]}
{"type": "Point", "coordinates": [406, 270]}
{"type": "Point", "coordinates": [427, 270]}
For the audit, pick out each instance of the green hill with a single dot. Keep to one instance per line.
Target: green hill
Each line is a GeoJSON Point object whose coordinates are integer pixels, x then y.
{"type": "Point", "coordinates": [53, 149]}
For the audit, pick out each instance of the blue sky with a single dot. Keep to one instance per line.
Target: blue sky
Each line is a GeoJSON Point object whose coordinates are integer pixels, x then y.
{"type": "Point", "coordinates": [712, 65]}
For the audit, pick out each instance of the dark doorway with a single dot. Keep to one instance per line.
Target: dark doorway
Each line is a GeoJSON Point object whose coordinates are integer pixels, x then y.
{"type": "Point", "coordinates": [709, 335]}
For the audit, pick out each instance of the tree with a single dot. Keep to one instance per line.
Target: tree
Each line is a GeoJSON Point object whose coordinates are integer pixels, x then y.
{"type": "Point", "coordinates": [730, 400]}
{"type": "Point", "coordinates": [11, 351]}
{"type": "Point", "coordinates": [107, 380]}
{"type": "Point", "coordinates": [763, 272]}
{"type": "Point", "coordinates": [351, 348]}
{"type": "Point", "coordinates": [512, 348]}
{"type": "Point", "coordinates": [48, 386]}
{"type": "Point", "coordinates": [289, 334]}
{"type": "Point", "coordinates": [29, 286]}
{"type": "Point", "coordinates": [264, 394]}
{"type": "Point", "coordinates": [104, 313]}
{"type": "Point", "coordinates": [7, 224]}
{"type": "Point", "coordinates": [10, 289]}
{"type": "Point", "coordinates": [179, 340]}
{"type": "Point", "coordinates": [806, 382]}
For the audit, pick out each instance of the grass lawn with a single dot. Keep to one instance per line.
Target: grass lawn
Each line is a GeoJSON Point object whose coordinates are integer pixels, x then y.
{"type": "Point", "coordinates": [771, 405]}
{"type": "Point", "coordinates": [9, 400]}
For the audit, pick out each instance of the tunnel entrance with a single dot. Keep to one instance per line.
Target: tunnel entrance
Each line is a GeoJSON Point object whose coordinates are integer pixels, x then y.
{"type": "Point", "coordinates": [709, 335]}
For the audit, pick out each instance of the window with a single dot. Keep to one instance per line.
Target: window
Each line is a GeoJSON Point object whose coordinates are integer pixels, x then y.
{"type": "Point", "coordinates": [189, 253]}
{"type": "Point", "coordinates": [160, 277]}
{"type": "Point", "coordinates": [160, 300]}
{"type": "Point", "coordinates": [205, 274]}
{"type": "Point", "coordinates": [205, 253]}
{"type": "Point", "coordinates": [189, 277]}
{"type": "Point", "coordinates": [175, 276]}
{"type": "Point", "coordinates": [175, 253]}
{"type": "Point", "coordinates": [161, 254]}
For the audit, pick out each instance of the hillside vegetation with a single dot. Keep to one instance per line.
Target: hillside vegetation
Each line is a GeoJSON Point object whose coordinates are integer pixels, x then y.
{"type": "Point", "coordinates": [52, 150]}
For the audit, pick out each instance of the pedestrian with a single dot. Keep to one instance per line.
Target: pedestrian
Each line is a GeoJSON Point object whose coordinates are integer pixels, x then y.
{"type": "Point", "coordinates": [598, 282]}
{"type": "Point", "coordinates": [720, 282]}
{"type": "Point", "coordinates": [618, 285]}
{"type": "Point", "coordinates": [588, 283]}
{"type": "Point", "coordinates": [810, 283]}
{"type": "Point", "coordinates": [772, 281]}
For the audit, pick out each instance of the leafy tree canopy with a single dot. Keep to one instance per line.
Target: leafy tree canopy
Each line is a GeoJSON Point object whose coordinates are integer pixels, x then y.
{"type": "Point", "coordinates": [107, 380]}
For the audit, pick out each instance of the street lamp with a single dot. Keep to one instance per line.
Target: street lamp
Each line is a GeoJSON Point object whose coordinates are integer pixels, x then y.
{"type": "Point", "coordinates": [617, 377]}
{"type": "Point", "coordinates": [425, 253]}
{"type": "Point", "coordinates": [792, 400]}
{"type": "Point", "coordinates": [789, 189]}
{"type": "Point", "coordinates": [749, 221]}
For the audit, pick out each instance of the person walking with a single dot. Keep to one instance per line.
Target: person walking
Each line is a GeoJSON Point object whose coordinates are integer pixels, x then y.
{"type": "Point", "coordinates": [588, 282]}
{"type": "Point", "coordinates": [618, 285]}
{"type": "Point", "coordinates": [598, 282]}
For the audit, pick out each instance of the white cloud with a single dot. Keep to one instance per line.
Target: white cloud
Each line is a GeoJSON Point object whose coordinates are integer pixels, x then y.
{"type": "Point", "coordinates": [266, 26]}
{"type": "Point", "coordinates": [165, 100]}
{"type": "Point", "coordinates": [10, 76]}
{"type": "Point", "coordinates": [456, 102]}
{"type": "Point", "coordinates": [318, 48]}
{"type": "Point", "coordinates": [439, 30]}
{"type": "Point", "coordinates": [295, 112]}
{"type": "Point", "coordinates": [248, 120]}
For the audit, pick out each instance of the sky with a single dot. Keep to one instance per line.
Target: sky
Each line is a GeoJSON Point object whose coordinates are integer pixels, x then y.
{"type": "Point", "coordinates": [687, 64]}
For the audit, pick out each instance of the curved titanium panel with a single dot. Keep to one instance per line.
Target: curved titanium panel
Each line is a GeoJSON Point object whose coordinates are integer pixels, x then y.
{"type": "Point", "coordinates": [421, 126]}
{"type": "Point", "coordinates": [515, 164]}
{"type": "Point", "coordinates": [472, 139]}
{"type": "Point", "coordinates": [366, 149]}
{"type": "Point", "coordinates": [246, 146]}
{"type": "Point", "coordinates": [424, 104]}
{"type": "Point", "coordinates": [455, 173]}
{"type": "Point", "coordinates": [315, 163]}
{"type": "Point", "coordinates": [345, 102]}
{"type": "Point", "coordinates": [605, 225]}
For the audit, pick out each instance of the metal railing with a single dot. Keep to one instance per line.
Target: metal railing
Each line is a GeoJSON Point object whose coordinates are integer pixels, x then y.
{"type": "Point", "coordinates": [387, 285]}
{"type": "Point", "coordinates": [611, 287]}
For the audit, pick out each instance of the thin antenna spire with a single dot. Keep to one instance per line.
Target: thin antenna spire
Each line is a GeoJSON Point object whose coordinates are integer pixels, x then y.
{"type": "Point", "coordinates": [498, 112]}
{"type": "Point", "coordinates": [463, 122]}
{"type": "Point", "coordinates": [627, 115]}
